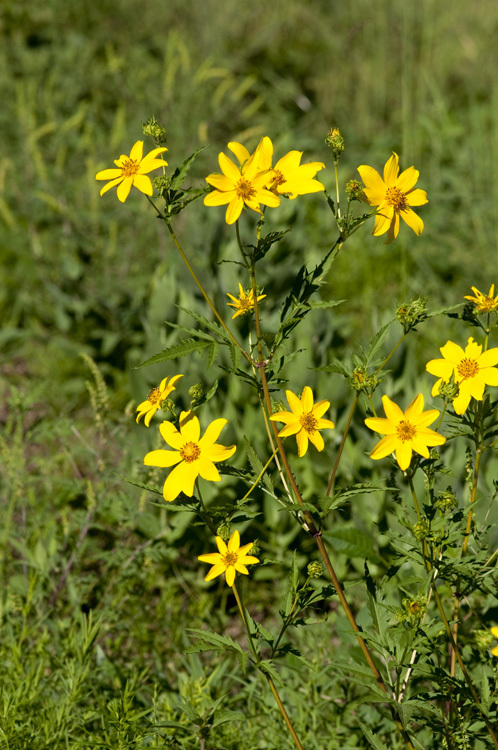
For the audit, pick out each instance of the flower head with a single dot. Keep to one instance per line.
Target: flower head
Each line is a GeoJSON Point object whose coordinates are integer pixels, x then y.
{"type": "Point", "coordinates": [245, 302]}
{"type": "Point", "coordinates": [194, 455]}
{"type": "Point", "coordinates": [494, 632]}
{"type": "Point", "coordinates": [155, 398]}
{"type": "Point", "coordinates": [132, 170]}
{"type": "Point", "coordinates": [404, 432]}
{"type": "Point", "coordinates": [304, 420]}
{"type": "Point", "coordinates": [394, 195]}
{"type": "Point", "coordinates": [239, 187]}
{"type": "Point", "coordinates": [229, 559]}
{"type": "Point", "coordinates": [288, 175]}
{"type": "Point", "coordinates": [472, 369]}
{"type": "Point", "coordinates": [484, 302]}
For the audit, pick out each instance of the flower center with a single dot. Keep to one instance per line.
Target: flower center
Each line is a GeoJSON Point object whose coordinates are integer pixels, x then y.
{"type": "Point", "coordinates": [308, 422]}
{"type": "Point", "coordinates": [405, 431]}
{"type": "Point", "coordinates": [230, 559]}
{"type": "Point", "coordinates": [487, 304]}
{"type": "Point", "coordinates": [154, 396]}
{"type": "Point", "coordinates": [278, 178]}
{"type": "Point", "coordinates": [244, 189]}
{"type": "Point", "coordinates": [190, 452]}
{"type": "Point", "coordinates": [396, 198]}
{"type": "Point", "coordinates": [130, 168]}
{"type": "Point", "coordinates": [467, 368]}
{"type": "Point", "coordinates": [245, 303]}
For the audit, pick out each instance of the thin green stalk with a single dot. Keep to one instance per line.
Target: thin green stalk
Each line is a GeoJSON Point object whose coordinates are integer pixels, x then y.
{"type": "Point", "coordinates": [337, 190]}
{"type": "Point", "coordinates": [447, 627]}
{"type": "Point", "coordinates": [390, 354]}
{"type": "Point", "coordinates": [339, 452]}
{"type": "Point", "coordinates": [195, 278]}
{"type": "Point", "coordinates": [310, 527]}
{"type": "Point", "coordinates": [267, 676]}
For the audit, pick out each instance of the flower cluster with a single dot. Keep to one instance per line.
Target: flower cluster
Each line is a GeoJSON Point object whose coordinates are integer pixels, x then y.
{"type": "Point", "coordinates": [255, 182]}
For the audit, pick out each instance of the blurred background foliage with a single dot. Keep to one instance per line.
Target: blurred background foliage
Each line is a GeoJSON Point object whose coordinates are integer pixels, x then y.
{"type": "Point", "coordinates": [87, 280]}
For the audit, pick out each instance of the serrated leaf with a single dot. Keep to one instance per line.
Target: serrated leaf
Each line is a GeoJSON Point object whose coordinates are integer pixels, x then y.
{"type": "Point", "coordinates": [375, 742]}
{"type": "Point", "coordinates": [181, 172]}
{"type": "Point", "coordinates": [378, 340]}
{"type": "Point", "coordinates": [267, 667]}
{"type": "Point", "coordinates": [353, 542]}
{"type": "Point", "coordinates": [225, 716]}
{"type": "Point", "coordinates": [211, 325]}
{"type": "Point", "coordinates": [184, 348]}
{"type": "Point", "coordinates": [325, 304]}
{"type": "Point", "coordinates": [257, 466]}
{"type": "Point", "coordinates": [217, 641]}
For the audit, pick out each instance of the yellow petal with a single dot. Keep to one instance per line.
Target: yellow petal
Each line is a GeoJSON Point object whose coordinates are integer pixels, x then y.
{"type": "Point", "coordinates": [413, 220]}
{"type": "Point", "coordinates": [391, 169]}
{"type": "Point", "coordinates": [403, 455]}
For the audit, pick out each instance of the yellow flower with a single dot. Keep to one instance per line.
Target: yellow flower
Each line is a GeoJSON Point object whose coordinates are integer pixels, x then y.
{"type": "Point", "coordinates": [194, 455]}
{"type": "Point", "coordinates": [494, 631]}
{"type": "Point", "coordinates": [304, 420]}
{"type": "Point", "coordinates": [394, 195]}
{"type": "Point", "coordinates": [405, 431]}
{"type": "Point", "coordinates": [239, 187]}
{"type": "Point", "coordinates": [288, 175]}
{"type": "Point", "coordinates": [229, 559]}
{"type": "Point", "coordinates": [471, 369]}
{"type": "Point", "coordinates": [245, 302]}
{"type": "Point", "coordinates": [132, 170]}
{"type": "Point", "coordinates": [483, 302]}
{"type": "Point", "coordinates": [155, 398]}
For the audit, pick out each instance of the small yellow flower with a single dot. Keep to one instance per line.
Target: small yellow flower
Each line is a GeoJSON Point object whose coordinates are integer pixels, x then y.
{"type": "Point", "coordinates": [288, 175]}
{"type": "Point", "coordinates": [229, 559]}
{"type": "Point", "coordinates": [394, 195]}
{"type": "Point", "coordinates": [494, 631]}
{"type": "Point", "coordinates": [132, 170]}
{"type": "Point", "coordinates": [155, 398]}
{"type": "Point", "coordinates": [194, 455]}
{"type": "Point", "coordinates": [239, 187]}
{"type": "Point", "coordinates": [304, 420]}
{"type": "Point", "coordinates": [484, 302]}
{"type": "Point", "coordinates": [472, 370]}
{"type": "Point", "coordinates": [405, 431]}
{"type": "Point", "coordinates": [245, 302]}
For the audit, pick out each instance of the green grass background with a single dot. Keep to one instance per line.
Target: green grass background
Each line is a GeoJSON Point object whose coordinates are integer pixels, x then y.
{"type": "Point", "coordinates": [86, 275]}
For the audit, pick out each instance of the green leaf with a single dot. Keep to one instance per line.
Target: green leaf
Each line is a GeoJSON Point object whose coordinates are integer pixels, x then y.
{"type": "Point", "coordinates": [225, 716]}
{"type": "Point", "coordinates": [217, 641]}
{"type": "Point", "coordinates": [184, 348]}
{"type": "Point", "coordinates": [257, 466]}
{"type": "Point", "coordinates": [378, 340]}
{"type": "Point", "coordinates": [181, 172]}
{"type": "Point", "coordinates": [354, 543]}
{"type": "Point", "coordinates": [375, 742]}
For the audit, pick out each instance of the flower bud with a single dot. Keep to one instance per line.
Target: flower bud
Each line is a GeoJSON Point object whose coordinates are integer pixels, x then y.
{"type": "Point", "coordinates": [315, 569]}
{"type": "Point", "coordinates": [223, 531]}
{"type": "Point", "coordinates": [155, 130]}
{"type": "Point", "coordinates": [336, 141]}
{"type": "Point", "coordinates": [354, 190]}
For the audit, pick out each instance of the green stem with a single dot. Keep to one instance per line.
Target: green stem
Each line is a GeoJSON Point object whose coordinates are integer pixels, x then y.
{"type": "Point", "coordinates": [195, 278]}
{"type": "Point", "coordinates": [339, 452]}
{"type": "Point", "coordinates": [447, 627]}
{"type": "Point", "coordinates": [390, 354]}
{"type": "Point", "coordinates": [267, 676]}
{"type": "Point", "coordinates": [337, 190]}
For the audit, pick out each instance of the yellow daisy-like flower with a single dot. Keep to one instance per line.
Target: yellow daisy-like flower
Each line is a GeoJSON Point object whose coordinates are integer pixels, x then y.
{"type": "Point", "coordinates": [194, 455]}
{"type": "Point", "coordinates": [244, 303]}
{"type": "Point", "coordinates": [229, 559]}
{"type": "Point", "coordinates": [155, 398]}
{"type": "Point", "coordinates": [484, 302]}
{"type": "Point", "coordinates": [239, 187]}
{"type": "Point", "coordinates": [394, 195]}
{"type": "Point", "coordinates": [288, 175]}
{"type": "Point", "coordinates": [304, 420]}
{"type": "Point", "coordinates": [404, 432]}
{"type": "Point", "coordinates": [132, 170]}
{"type": "Point", "coordinates": [494, 631]}
{"type": "Point", "coordinates": [472, 369]}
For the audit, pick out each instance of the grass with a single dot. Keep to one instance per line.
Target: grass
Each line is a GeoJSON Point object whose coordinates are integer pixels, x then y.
{"type": "Point", "coordinates": [98, 581]}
